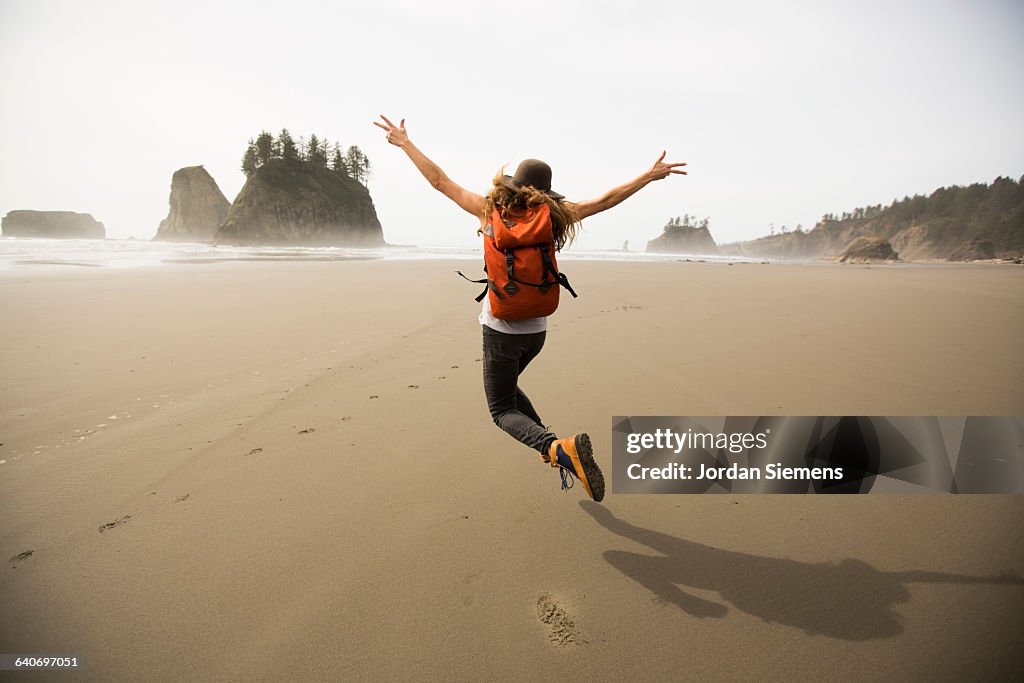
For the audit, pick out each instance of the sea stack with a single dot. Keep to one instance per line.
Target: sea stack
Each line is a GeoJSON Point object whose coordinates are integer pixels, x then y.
{"type": "Point", "coordinates": [684, 238]}
{"type": "Point", "coordinates": [298, 203]}
{"type": "Point", "coordinates": [56, 224]}
{"type": "Point", "coordinates": [197, 207]}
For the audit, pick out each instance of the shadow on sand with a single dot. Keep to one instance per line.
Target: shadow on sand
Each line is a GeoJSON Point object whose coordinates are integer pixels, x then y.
{"type": "Point", "coordinates": [850, 600]}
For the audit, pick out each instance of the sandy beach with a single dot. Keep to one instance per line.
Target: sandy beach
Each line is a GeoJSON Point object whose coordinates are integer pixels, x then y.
{"type": "Point", "coordinates": [286, 471]}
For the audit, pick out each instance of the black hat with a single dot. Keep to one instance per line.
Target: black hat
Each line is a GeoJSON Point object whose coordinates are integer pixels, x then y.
{"type": "Point", "coordinates": [532, 172]}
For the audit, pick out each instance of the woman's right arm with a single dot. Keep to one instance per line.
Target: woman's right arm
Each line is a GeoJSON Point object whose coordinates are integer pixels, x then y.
{"type": "Point", "coordinates": [470, 202]}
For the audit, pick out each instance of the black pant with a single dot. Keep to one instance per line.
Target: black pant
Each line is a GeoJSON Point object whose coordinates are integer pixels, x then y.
{"type": "Point", "coordinates": [505, 358]}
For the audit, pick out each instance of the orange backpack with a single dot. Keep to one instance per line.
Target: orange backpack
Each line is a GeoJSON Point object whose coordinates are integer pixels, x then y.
{"type": "Point", "coordinates": [519, 261]}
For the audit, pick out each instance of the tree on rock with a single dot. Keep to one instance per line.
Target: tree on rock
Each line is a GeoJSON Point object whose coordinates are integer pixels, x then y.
{"type": "Point", "coordinates": [316, 151]}
{"type": "Point", "coordinates": [249, 159]}
{"type": "Point", "coordinates": [337, 161]}
{"type": "Point", "coordinates": [358, 165]}
{"type": "Point", "coordinates": [287, 145]}
{"type": "Point", "coordinates": [264, 148]}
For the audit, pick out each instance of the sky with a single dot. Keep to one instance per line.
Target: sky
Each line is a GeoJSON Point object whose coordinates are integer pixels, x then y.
{"type": "Point", "coordinates": [783, 111]}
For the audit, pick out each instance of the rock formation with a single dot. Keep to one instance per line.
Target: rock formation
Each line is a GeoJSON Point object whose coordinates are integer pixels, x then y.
{"type": "Point", "coordinates": [683, 239]}
{"type": "Point", "coordinates": [197, 207]}
{"type": "Point", "coordinates": [293, 202]}
{"type": "Point", "coordinates": [869, 250]}
{"type": "Point", "coordinates": [61, 224]}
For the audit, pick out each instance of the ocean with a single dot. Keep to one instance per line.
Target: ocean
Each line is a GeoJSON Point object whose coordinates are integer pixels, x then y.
{"type": "Point", "coordinates": [38, 253]}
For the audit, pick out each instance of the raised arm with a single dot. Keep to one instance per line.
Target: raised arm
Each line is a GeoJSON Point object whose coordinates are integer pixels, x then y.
{"type": "Point", "coordinates": [618, 194]}
{"type": "Point", "coordinates": [469, 201]}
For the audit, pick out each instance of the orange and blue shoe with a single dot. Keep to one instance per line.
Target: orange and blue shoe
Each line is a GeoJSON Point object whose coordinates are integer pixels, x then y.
{"type": "Point", "coordinates": [574, 457]}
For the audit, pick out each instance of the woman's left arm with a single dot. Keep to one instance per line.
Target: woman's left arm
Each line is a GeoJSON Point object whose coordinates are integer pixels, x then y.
{"type": "Point", "coordinates": [619, 194]}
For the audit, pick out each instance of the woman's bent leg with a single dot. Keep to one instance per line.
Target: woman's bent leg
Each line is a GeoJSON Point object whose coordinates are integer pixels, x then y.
{"type": "Point", "coordinates": [524, 406]}
{"type": "Point", "coordinates": [533, 347]}
{"type": "Point", "coordinates": [504, 357]}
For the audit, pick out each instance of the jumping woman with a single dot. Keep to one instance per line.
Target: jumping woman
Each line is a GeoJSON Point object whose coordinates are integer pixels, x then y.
{"type": "Point", "coordinates": [524, 223]}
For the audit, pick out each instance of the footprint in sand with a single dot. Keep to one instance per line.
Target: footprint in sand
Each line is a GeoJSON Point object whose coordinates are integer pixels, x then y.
{"type": "Point", "coordinates": [375, 396]}
{"type": "Point", "coordinates": [254, 452]}
{"type": "Point", "coordinates": [21, 556]}
{"type": "Point", "coordinates": [560, 626]}
{"type": "Point", "coordinates": [182, 499]}
{"type": "Point", "coordinates": [116, 522]}
{"type": "Point", "coordinates": [307, 430]}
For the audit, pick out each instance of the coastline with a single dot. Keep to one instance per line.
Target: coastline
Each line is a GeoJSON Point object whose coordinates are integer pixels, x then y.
{"type": "Point", "coordinates": [19, 252]}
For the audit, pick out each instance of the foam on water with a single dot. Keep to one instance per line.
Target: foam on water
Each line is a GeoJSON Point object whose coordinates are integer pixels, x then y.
{"type": "Point", "coordinates": [21, 252]}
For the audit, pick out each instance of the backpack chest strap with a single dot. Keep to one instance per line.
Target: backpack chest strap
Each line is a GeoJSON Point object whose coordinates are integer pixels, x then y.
{"type": "Point", "coordinates": [511, 287]}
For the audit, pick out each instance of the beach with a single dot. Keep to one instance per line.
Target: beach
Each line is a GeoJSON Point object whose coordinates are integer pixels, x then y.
{"type": "Point", "coordinates": [287, 471]}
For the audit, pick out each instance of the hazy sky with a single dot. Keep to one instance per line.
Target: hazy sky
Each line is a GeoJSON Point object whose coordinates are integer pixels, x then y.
{"type": "Point", "coordinates": [783, 110]}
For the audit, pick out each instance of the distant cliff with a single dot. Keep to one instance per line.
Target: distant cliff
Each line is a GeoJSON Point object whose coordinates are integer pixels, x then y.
{"type": "Point", "coordinates": [684, 237]}
{"type": "Point", "coordinates": [295, 202]}
{"type": "Point", "coordinates": [954, 223]}
{"type": "Point", "coordinates": [197, 207]}
{"type": "Point", "coordinates": [61, 224]}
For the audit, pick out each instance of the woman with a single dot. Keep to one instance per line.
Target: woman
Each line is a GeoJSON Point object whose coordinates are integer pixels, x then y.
{"type": "Point", "coordinates": [510, 344]}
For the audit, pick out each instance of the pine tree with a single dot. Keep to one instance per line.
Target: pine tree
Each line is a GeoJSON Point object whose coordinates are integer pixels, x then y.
{"type": "Point", "coordinates": [337, 162]}
{"type": "Point", "coordinates": [287, 145]}
{"type": "Point", "coordinates": [313, 149]}
{"type": "Point", "coordinates": [323, 153]}
{"type": "Point", "coordinates": [249, 160]}
{"type": "Point", "coordinates": [358, 165]}
{"type": "Point", "coordinates": [367, 171]}
{"type": "Point", "coordinates": [264, 148]}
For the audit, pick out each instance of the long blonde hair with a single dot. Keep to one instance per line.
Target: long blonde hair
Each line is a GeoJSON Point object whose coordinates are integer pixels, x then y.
{"type": "Point", "coordinates": [565, 223]}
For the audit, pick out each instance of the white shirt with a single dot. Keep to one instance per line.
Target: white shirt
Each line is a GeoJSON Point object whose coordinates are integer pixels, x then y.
{"type": "Point", "coordinates": [527, 326]}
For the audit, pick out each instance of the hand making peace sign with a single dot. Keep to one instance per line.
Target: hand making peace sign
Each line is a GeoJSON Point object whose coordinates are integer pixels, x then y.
{"type": "Point", "coordinates": [662, 170]}
{"type": "Point", "coordinates": [396, 134]}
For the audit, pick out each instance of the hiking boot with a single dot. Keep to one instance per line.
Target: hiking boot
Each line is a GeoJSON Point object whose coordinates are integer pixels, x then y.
{"type": "Point", "coordinates": [574, 457]}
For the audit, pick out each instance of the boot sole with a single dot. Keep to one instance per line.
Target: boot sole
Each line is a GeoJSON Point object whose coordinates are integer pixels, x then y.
{"type": "Point", "coordinates": [594, 479]}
